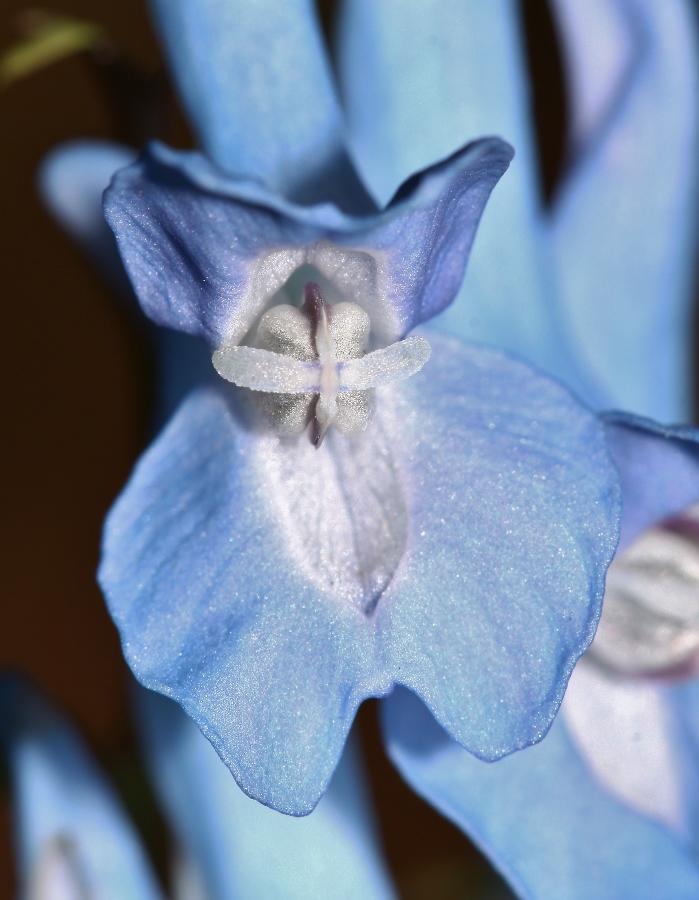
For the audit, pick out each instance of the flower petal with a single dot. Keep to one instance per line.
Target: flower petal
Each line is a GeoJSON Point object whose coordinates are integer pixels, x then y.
{"type": "Point", "coordinates": [512, 526]}
{"type": "Point", "coordinates": [256, 83]}
{"type": "Point", "coordinates": [541, 817]}
{"type": "Point", "coordinates": [64, 802]}
{"type": "Point", "coordinates": [659, 470]}
{"type": "Point", "coordinates": [625, 229]}
{"type": "Point", "coordinates": [71, 181]}
{"type": "Point", "coordinates": [419, 80]}
{"type": "Point", "coordinates": [600, 52]}
{"type": "Point", "coordinates": [627, 732]}
{"type": "Point", "coordinates": [203, 249]}
{"type": "Point", "coordinates": [245, 850]}
{"type": "Point", "coordinates": [239, 590]}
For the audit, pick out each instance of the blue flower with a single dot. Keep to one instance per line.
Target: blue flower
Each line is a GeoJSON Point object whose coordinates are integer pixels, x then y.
{"type": "Point", "coordinates": [457, 546]}
{"type": "Point", "coordinates": [270, 587]}
{"type": "Point", "coordinates": [555, 288]}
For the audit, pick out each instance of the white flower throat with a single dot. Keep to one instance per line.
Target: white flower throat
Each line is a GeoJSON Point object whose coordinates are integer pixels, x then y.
{"type": "Point", "coordinates": [310, 365]}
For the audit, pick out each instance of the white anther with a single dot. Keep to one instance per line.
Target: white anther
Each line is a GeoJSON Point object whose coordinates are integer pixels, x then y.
{"type": "Point", "coordinates": [262, 370]}
{"type": "Point", "coordinates": [311, 369]}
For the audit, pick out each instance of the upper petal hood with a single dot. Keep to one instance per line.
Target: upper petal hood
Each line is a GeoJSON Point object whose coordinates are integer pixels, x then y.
{"type": "Point", "coordinates": [659, 470]}
{"type": "Point", "coordinates": [206, 252]}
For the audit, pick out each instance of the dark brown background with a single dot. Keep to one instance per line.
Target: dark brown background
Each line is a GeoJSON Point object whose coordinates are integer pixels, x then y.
{"type": "Point", "coordinates": [73, 402]}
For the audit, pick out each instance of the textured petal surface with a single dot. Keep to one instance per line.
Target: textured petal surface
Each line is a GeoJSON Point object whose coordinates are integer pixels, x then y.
{"type": "Point", "coordinates": [228, 567]}
{"type": "Point", "coordinates": [60, 796]}
{"type": "Point", "coordinates": [624, 231]}
{"type": "Point", "coordinates": [256, 84]}
{"type": "Point", "coordinates": [243, 849]}
{"type": "Point", "coordinates": [540, 815]}
{"type": "Point", "coordinates": [658, 467]}
{"type": "Point", "coordinates": [206, 252]}
{"type": "Point", "coordinates": [421, 79]}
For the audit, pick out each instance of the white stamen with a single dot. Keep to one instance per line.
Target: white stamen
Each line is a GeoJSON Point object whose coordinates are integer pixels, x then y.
{"type": "Point", "coordinates": [338, 383]}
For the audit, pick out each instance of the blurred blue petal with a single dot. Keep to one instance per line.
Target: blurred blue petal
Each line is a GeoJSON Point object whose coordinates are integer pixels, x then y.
{"type": "Point", "coordinates": [206, 252]}
{"type": "Point", "coordinates": [686, 699]}
{"type": "Point", "coordinates": [241, 848]}
{"type": "Point", "coordinates": [624, 230]}
{"type": "Point", "coordinates": [70, 825]}
{"type": "Point", "coordinates": [257, 87]}
{"type": "Point", "coordinates": [628, 732]}
{"type": "Point", "coordinates": [544, 820]}
{"type": "Point", "coordinates": [420, 80]}
{"type": "Point", "coordinates": [658, 467]}
{"type": "Point", "coordinates": [233, 567]}
{"type": "Point", "coordinates": [71, 180]}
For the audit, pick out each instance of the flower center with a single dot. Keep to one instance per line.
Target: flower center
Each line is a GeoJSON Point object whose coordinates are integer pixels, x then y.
{"type": "Point", "coordinates": [310, 365]}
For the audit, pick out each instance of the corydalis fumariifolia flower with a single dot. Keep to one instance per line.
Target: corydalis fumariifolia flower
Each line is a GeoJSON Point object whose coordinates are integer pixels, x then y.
{"type": "Point", "coordinates": [456, 545]}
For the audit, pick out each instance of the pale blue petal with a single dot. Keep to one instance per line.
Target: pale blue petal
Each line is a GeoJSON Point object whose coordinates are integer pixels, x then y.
{"type": "Point", "coordinates": [60, 794]}
{"type": "Point", "coordinates": [659, 470]}
{"type": "Point", "coordinates": [193, 240]}
{"type": "Point", "coordinates": [420, 80]}
{"type": "Point", "coordinates": [513, 512]}
{"type": "Point", "coordinates": [539, 815]}
{"type": "Point", "coordinates": [244, 849]}
{"type": "Point", "coordinates": [257, 87]}
{"type": "Point", "coordinates": [71, 181]}
{"type": "Point", "coordinates": [686, 699]}
{"type": "Point", "coordinates": [624, 232]}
